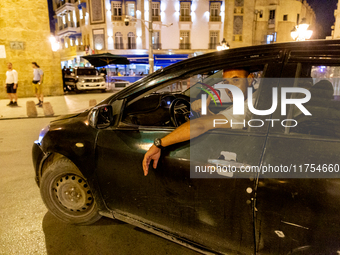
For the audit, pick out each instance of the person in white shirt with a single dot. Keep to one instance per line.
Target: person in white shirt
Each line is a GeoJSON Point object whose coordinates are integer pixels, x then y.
{"type": "Point", "coordinates": [38, 76]}
{"type": "Point", "coordinates": [12, 85]}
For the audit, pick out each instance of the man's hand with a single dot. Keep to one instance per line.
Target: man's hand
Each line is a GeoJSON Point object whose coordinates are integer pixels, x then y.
{"type": "Point", "coordinates": [196, 106]}
{"type": "Point", "coordinates": [15, 86]}
{"type": "Point", "coordinates": [152, 154]}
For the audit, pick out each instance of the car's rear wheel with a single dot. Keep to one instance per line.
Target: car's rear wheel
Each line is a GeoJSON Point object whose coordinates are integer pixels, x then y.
{"type": "Point", "coordinates": [67, 195]}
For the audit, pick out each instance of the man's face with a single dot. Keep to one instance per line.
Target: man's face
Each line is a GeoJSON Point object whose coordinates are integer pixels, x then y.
{"type": "Point", "coordinates": [9, 66]}
{"type": "Point", "coordinates": [237, 78]}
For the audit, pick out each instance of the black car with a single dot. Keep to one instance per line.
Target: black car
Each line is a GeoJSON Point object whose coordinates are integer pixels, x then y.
{"type": "Point", "coordinates": [89, 165]}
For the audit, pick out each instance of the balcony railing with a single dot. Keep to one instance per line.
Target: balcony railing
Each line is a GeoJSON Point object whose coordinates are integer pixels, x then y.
{"type": "Point", "coordinates": [271, 23]}
{"type": "Point", "coordinates": [213, 46]}
{"type": "Point", "coordinates": [116, 18]}
{"type": "Point", "coordinates": [157, 46]}
{"type": "Point", "coordinates": [185, 46]}
{"type": "Point", "coordinates": [62, 2]}
{"type": "Point", "coordinates": [185, 18]}
{"type": "Point", "coordinates": [156, 18]}
{"type": "Point", "coordinates": [130, 46]}
{"type": "Point", "coordinates": [215, 18]}
{"type": "Point", "coordinates": [119, 46]}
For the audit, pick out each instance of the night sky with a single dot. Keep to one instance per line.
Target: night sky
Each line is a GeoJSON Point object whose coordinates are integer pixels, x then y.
{"type": "Point", "coordinates": [324, 10]}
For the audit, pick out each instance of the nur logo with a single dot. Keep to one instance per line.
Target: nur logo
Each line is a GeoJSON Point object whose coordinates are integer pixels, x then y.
{"type": "Point", "coordinates": [238, 99]}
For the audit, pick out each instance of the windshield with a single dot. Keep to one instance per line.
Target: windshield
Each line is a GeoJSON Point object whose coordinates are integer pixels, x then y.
{"type": "Point", "coordinates": [86, 72]}
{"type": "Point", "coordinates": [209, 79]}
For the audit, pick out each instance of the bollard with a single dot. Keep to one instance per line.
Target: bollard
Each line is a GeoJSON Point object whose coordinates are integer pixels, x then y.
{"type": "Point", "coordinates": [31, 109]}
{"type": "Point", "coordinates": [93, 102]}
{"type": "Point", "coordinates": [48, 110]}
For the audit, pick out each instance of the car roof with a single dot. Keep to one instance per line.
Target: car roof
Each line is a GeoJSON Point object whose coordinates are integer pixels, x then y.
{"type": "Point", "coordinates": [243, 55]}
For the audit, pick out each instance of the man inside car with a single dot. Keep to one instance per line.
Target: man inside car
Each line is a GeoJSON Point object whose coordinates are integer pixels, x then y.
{"type": "Point", "coordinates": [240, 78]}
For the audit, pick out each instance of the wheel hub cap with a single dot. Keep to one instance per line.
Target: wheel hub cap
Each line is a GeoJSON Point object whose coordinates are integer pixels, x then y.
{"type": "Point", "coordinates": [73, 193]}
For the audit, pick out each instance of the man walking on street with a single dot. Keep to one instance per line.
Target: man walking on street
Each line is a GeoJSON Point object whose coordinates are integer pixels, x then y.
{"type": "Point", "coordinates": [12, 85]}
{"type": "Point", "coordinates": [38, 76]}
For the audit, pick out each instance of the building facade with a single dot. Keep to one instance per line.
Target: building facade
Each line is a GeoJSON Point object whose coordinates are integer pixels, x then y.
{"type": "Point", "coordinates": [198, 26]}
{"type": "Point", "coordinates": [336, 27]}
{"type": "Point", "coordinates": [98, 26]}
{"type": "Point", "coordinates": [24, 38]}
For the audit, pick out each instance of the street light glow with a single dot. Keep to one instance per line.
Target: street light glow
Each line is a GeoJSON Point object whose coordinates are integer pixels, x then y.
{"type": "Point", "coordinates": [54, 43]}
{"type": "Point", "coordinates": [300, 32]}
{"type": "Point", "coordinates": [224, 45]}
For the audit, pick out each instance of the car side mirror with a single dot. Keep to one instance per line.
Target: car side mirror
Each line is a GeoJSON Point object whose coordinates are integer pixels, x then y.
{"type": "Point", "coordinates": [101, 116]}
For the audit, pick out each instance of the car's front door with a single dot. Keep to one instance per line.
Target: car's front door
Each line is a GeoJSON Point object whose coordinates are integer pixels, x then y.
{"type": "Point", "coordinates": [211, 209]}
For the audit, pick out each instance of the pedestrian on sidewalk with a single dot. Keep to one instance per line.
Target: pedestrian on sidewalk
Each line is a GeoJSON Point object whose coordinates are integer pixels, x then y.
{"type": "Point", "coordinates": [12, 85]}
{"type": "Point", "coordinates": [38, 76]}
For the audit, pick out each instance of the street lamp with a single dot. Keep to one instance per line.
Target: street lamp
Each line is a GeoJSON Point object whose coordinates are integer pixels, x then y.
{"type": "Point", "coordinates": [54, 43]}
{"type": "Point", "coordinates": [150, 29]}
{"type": "Point", "coordinates": [300, 32]}
{"type": "Point", "coordinates": [224, 45]}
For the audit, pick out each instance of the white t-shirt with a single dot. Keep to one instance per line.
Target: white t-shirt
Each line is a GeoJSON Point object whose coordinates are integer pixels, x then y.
{"type": "Point", "coordinates": [239, 121]}
{"type": "Point", "coordinates": [37, 73]}
{"type": "Point", "coordinates": [12, 77]}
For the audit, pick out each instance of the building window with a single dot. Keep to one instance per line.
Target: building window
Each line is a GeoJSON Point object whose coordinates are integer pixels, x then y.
{"type": "Point", "coordinates": [214, 40]}
{"type": "Point", "coordinates": [131, 41]}
{"type": "Point", "coordinates": [156, 40]}
{"type": "Point", "coordinates": [239, 3]}
{"type": "Point", "coordinates": [184, 40]}
{"type": "Point", "coordinates": [238, 28]}
{"type": "Point", "coordinates": [271, 21]}
{"type": "Point", "coordinates": [271, 38]}
{"type": "Point", "coordinates": [97, 11]}
{"type": "Point", "coordinates": [119, 41]}
{"type": "Point", "coordinates": [298, 19]}
{"type": "Point", "coordinates": [215, 11]}
{"type": "Point", "coordinates": [116, 11]}
{"type": "Point", "coordinates": [130, 9]}
{"type": "Point", "coordinates": [155, 11]}
{"type": "Point", "coordinates": [185, 11]}
{"type": "Point", "coordinates": [238, 6]}
{"type": "Point", "coordinates": [285, 17]}
{"type": "Point", "coordinates": [99, 39]}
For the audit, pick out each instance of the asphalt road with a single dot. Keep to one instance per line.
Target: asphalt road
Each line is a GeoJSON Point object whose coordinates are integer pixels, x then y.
{"type": "Point", "coordinates": [26, 227]}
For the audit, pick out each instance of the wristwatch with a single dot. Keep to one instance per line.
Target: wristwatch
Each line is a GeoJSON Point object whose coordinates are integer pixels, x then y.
{"type": "Point", "coordinates": [158, 143]}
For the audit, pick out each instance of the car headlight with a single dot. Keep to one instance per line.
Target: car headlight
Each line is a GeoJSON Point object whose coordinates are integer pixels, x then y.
{"type": "Point", "coordinates": [81, 79]}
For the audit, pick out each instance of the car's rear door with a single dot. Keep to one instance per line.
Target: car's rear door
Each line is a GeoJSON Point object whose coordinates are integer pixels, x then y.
{"type": "Point", "coordinates": [298, 206]}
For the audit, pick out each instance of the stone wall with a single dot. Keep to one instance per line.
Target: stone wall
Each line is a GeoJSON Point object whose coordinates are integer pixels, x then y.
{"type": "Point", "coordinates": [26, 23]}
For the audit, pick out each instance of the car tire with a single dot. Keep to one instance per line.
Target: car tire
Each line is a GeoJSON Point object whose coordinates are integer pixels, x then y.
{"type": "Point", "coordinates": [67, 195]}
{"type": "Point", "coordinates": [103, 90]}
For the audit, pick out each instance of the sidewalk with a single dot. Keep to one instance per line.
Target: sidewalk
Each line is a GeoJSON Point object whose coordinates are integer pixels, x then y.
{"type": "Point", "coordinates": [69, 103]}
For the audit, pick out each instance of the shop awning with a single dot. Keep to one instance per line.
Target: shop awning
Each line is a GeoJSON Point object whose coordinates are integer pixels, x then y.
{"type": "Point", "coordinates": [165, 60]}
{"type": "Point", "coordinates": [160, 60]}
{"type": "Point", "coordinates": [137, 59]}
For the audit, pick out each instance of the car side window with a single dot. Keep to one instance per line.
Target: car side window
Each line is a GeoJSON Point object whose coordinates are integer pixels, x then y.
{"type": "Point", "coordinates": [323, 84]}
{"type": "Point", "coordinates": [155, 107]}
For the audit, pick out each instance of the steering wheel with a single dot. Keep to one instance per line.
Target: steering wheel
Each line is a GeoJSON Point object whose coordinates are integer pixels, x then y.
{"type": "Point", "coordinates": [180, 112]}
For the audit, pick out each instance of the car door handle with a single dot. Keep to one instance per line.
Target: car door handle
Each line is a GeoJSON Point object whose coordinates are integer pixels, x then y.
{"type": "Point", "coordinates": [228, 167]}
